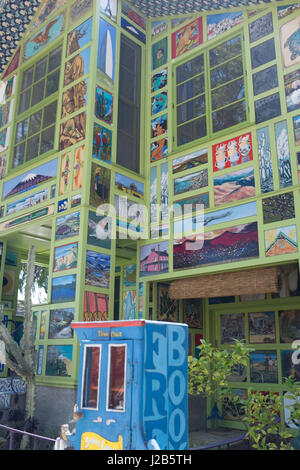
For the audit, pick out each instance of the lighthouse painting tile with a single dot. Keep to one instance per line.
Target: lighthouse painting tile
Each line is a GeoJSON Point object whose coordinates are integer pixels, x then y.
{"type": "Point", "coordinates": [106, 51]}
{"type": "Point", "coordinates": [26, 181]}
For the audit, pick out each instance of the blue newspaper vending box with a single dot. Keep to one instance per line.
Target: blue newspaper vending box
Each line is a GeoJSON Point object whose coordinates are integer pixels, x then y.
{"type": "Point", "coordinates": [132, 390]}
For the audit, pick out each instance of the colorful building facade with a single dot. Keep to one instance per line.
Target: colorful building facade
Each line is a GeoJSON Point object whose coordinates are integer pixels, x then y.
{"type": "Point", "coordinates": [136, 151]}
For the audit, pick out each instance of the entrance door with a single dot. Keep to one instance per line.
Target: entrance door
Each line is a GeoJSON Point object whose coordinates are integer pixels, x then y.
{"type": "Point", "coordinates": [107, 396]}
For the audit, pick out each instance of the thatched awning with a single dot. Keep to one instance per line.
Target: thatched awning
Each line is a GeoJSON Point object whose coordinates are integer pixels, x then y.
{"type": "Point", "coordinates": [251, 281]}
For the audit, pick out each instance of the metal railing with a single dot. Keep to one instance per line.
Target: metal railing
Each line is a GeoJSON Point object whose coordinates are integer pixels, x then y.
{"type": "Point", "coordinates": [226, 443]}
{"type": "Point", "coordinates": [13, 431]}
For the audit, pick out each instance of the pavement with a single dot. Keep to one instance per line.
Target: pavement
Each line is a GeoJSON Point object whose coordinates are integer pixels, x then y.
{"type": "Point", "coordinates": [205, 438]}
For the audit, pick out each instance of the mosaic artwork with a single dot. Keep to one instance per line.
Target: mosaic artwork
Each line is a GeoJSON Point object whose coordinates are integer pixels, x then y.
{"type": "Point", "coordinates": [191, 205]}
{"type": "Point", "coordinates": [97, 269]}
{"type": "Point", "coordinates": [279, 207]}
{"type": "Point", "coordinates": [191, 182]}
{"type": "Point", "coordinates": [159, 102]}
{"type": "Point", "coordinates": [7, 89]}
{"type": "Point", "coordinates": [292, 90]}
{"type": "Point", "coordinates": [264, 367]}
{"type": "Point", "coordinates": [79, 37]}
{"type": "Point", "coordinates": [67, 226]}
{"type": "Point", "coordinates": [63, 289]}
{"type": "Point", "coordinates": [72, 131]}
{"type": "Point", "coordinates": [167, 308]}
{"type": "Point", "coordinates": [79, 9]}
{"type": "Point", "coordinates": [159, 125]}
{"type": "Point", "coordinates": [191, 224]}
{"type": "Point", "coordinates": [27, 202]}
{"type": "Point", "coordinates": [164, 191]}
{"type": "Point", "coordinates": [4, 139]}
{"type": "Point", "coordinates": [59, 361]}
{"type": "Point", "coordinates": [153, 195]}
{"type": "Point", "coordinates": [77, 67]}
{"type": "Point", "coordinates": [289, 368]}
{"type": "Point", "coordinates": [192, 160]}
{"type": "Point", "coordinates": [60, 323]}
{"type": "Point", "coordinates": [218, 24]}
{"type": "Point", "coordinates": [133, 30]}
{"type": "Point", "coordinates": [100, 185]}
{"type": "Point", "coordinates": [234, 186]}
{"type": "Point", "coordinates": [296, 123]}
{"type": "Point", "coordinates": [262, 327]}
{"type": "Point", "coordinates": [109, 8]}
{"type": "Point", "coordinates": [78, 168]}
{"type": "Point", "coordinates": [99, 229]}
{"type": "Point", "coordinates": [232, 152]}
{"type": "Point", "coordinates": [47, 9]}
{"type": "Point", "coordinates": [104, 105]}
{"type": "Point", "coordinates": [158, 27]}
{"type": "Point", "coordinates": [289, 39]}
{"type": "Point", "coordinates": [281, 241]}
{"type": "Point", "coordinates": [65, 257]}
{"type": "Point", "coordinates": [289, 325]}
{"type": "Point", "coordinates": [30, 179]}
{"type": "Point", "coordinates": [43, 38]}
{"type": "Point", "coordinates": [129, 305]}
{"type": "Point", "coordinates": [232, 327]}
{"type": "Point", "coordinates": [133, 16]}
{"type": "Point", "coordinates": [106, 51]}
{"type": "Point", "coordinates": [154, 259]}
{"type": "Point", "coordinates": [128, 185]}
{"type": "Point", "coordinates": [193, 313]}
{"type": "Point", "coordinates": [95, 306]}
{"type": "Point", "coordinates": [65, 173]}
{"type": "Point", "coordinates": [187, 38]}
{"type": "Point", "coordinates": [283, 154]}
{"type": "Point", "coordinates": [129, 275]}
{"type": "Point", "coordinates": [159, 148]}
{"type": "Point", "coordinates": [265, 160]}
{"type": "Point", "coordinates": [102, 142]}
{"type": "Point", "coordinates": [160, 53]}
{"type": "Point", "coordinates": [159, 80]}
{"type": "Point", "coordinates": [218, 246]}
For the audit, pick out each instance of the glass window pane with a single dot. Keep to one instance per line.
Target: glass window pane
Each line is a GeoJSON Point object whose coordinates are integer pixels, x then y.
{"type": "Point", "coordinates": [52, 83]}
{"type": "Point", "coordinates": [225, 51]}
{"type": "Point", "coordinates": [50, 114]}
{"type": "Point", "coordinates": [54, 59]}
{"type": "Point", "coordinates": [265, 80]}
{"type": "Point", "coordinates": [226, 72]}
{"type": "Point", "coordinates": [91, 377]}
{"type": "Point", "coordinates": [261, 27]}
{"type": "Point", "coordinates": [263, 53]}
{"type": "Point", "coordinates": [40, 69]}
{"type": "Point", "coordinates": [230, 116]}
{"type": "Point", "coordinates": [47, 139]}
{"type": "Point", "coordinates": [127, 56]}
{"type": "Point", "coordinates": [190, 69]}
{"type": "Point", "coordinates": [24, 101]}
{"type": "Point", "coordinates": [32, 150]}
{"type": "Point", "coordinates": [191, 131]}
{"type": "Point", "coordinates": [27, 78]}
{"type": "Point", "coordinates": [116, 374]}
{"type": "Point", "coordinates": [126, 117]}
{"type": "Point", "coordinates": [38, 92]}
{"type": "Point", "coordinates": [191, 109]}
{"type": "Point", "coordinates": [35, 123]}
{"type": "Point", "coordinates": [22, 129]}
{"type": "Point", "coordinates": [127, 85]}
{"type": "Point", "coordinates": [19, 155]}
{"type": "Point", "coordinates": [190, 89]}
{"type": "Point", "coordinates": [267, 108]}
{"type": "Point", "coordinates": [229, 93]}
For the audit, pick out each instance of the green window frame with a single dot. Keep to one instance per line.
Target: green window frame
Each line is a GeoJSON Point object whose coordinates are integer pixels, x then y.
{"type": "Point", "coordinates": [211, 96]}
{"type": "Point", "coordinates": [37, 109]}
